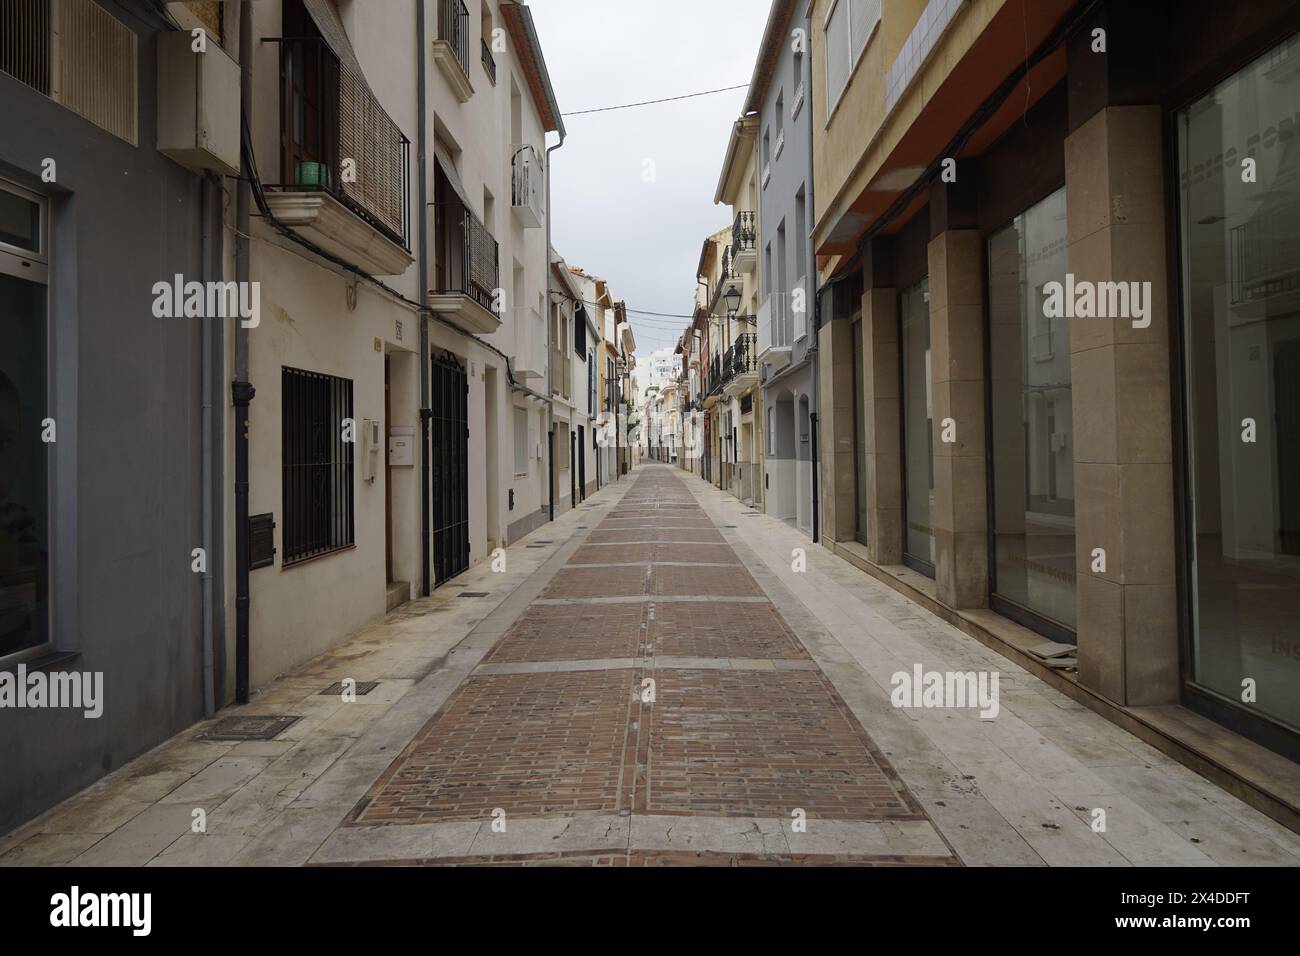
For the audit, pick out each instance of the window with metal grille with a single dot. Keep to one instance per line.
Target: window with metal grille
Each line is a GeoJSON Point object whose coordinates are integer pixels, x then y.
{"type": "Point", "coordinates": [318, 464]}
{"type": "Point", "coordinates": [25, 50]}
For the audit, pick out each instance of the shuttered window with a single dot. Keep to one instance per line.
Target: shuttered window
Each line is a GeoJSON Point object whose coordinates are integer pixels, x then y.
{"type": "Point", "coordinates": [78, 54]}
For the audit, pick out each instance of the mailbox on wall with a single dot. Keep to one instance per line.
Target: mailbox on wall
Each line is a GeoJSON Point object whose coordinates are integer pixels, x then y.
{"type": "Point", "coordinates": [401, 447]}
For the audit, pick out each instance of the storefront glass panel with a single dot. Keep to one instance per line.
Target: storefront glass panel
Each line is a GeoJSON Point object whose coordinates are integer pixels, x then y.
{"type": "Point", "coordinates": [918, 426]}
{"type": "Point", "coordinates": [1240, 248]}
{"type": "Point", "coordinates": [1031, 423]}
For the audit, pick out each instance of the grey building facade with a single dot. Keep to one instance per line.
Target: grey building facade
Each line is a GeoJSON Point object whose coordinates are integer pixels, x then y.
{"type": "Point", "coordinates": [101, 458]}
{"type": "Point", "coordinates": [780, 94]}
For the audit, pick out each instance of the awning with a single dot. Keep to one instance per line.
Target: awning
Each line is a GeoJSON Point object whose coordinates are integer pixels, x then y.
{"type": "Point", "coordinates": [326, 17]}
{"type": "Point", "coordinates": [448, 167]}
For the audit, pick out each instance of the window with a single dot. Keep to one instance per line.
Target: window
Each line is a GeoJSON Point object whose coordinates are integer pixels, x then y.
{"type": "Point", "coordinates": [848, 28]}
{"type": "Point", "coordinates": [317, 454]}
{"type": "Point", "coordinates": [88, 65]}
{"type": "Point", "coordinates": [1240, 252]}
{"type": "Point", "coordinates": [24, 456]}
{"type": "Point", "coordinates": [780, 112]}
{"type": "Point", "coordinates": [1033, 454]}
{"type": "Point", "coordinates": [521, 443]}
{"type": "Point", "coordinates": [328, 113]}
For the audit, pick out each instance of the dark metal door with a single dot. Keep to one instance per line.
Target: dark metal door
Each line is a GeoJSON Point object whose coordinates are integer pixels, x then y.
{"type": "Point", "coordinates": [1286, 379]}
{"type": "Point", "coordinates": [449, 438]}
{"type": "Point", "coordinates": [582, 462]}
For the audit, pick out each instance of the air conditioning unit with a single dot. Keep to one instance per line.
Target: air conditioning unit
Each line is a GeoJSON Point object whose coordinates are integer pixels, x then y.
{"type": "Point", "coordinates": [198, 105]}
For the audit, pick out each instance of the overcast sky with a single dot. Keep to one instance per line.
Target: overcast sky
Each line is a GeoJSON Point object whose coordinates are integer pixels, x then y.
{"type": "Point", "coordinates": [644, 237]}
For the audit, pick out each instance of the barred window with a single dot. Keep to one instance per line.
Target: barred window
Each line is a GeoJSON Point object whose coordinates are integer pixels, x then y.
{"type": "Point", "coordinates": [318, 464]}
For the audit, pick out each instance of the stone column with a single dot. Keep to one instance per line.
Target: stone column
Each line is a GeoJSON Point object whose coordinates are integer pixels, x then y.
{"type": "Point", "coordinates": [882, 420]}
{"type": "Point", "coordinates": [835, 404]}
{"type": "Point", "coordinates": [1124, 494]}
{"type": "Point", "coordinates": [960, 476]}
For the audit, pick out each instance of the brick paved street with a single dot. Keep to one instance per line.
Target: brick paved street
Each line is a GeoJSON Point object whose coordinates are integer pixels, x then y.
{"type": "Point", "coordinates": [651, 684]}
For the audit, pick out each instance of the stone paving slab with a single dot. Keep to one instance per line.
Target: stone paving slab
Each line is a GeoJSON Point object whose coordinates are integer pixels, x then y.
{"type": "Point", "coordinates": [722, 629]}
{"type": "Point", "coordinates": [528, 744]}
{"type": "Point", "coordinates": [574, 632]}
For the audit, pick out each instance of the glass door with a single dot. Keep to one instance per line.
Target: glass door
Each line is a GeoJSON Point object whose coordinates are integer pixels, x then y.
{"type": "Point", "coordinates": [1031, 424]}
{"type": "Point", "coordinates": [918, 428]}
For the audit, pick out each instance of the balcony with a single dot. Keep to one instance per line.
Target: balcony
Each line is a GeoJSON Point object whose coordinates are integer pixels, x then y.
{"type": "Point", "coordinates": [1266, 254]}
{"type": "Point", "coordinates": [744, 242]}
{"type": "Point", "coordinates": [489, 61]}
{"type": "Point", "coordinates": [740, 373]}
{"type": "Point", "coordinates": [346, 181]}
{"type": "Point", "coordinates": [800, 308]}
{"type": "Point", "coordinates": [774, 347]}
{"type": "Point", "coordinates": [728, 275]}
{"type": "Point", "coordinates": [466, 277]}
{"type": "Point", "coordinates": [527, 183]}
{"type": "Point", "coordinates": [451, 49]}
{"type": "Point", "coordinates": [529, 359]}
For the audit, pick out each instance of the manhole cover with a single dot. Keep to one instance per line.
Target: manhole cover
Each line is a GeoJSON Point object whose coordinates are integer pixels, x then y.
{"type": "Point", "coordinates": [248, 728]}
{"type": "Point", "coordinates": [474, 594]}
{"type": "Point", "coordinates": [362, 688]}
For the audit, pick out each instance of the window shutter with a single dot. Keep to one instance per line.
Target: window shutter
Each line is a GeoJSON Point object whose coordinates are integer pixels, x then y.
{"type": "Point", "coordinates": [97, 73]}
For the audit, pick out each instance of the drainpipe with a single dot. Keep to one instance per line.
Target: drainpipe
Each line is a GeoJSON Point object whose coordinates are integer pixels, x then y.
{"type": "Point", "coordinates": [422, 242]}
{"type": "Point", "coordinates": [815, 449]}
{"type": "Point", "coordinates": [241, 390]}
{"type": "Point", "coordinates": [550, 372]}
{"type": "Point", "coordinates": [207, 347]}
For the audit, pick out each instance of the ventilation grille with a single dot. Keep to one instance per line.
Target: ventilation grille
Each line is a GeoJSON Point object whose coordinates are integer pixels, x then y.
{"type": "Point", "coordinates": [25, 42]}
{"type": "Point", "coordinates": [97, 67]}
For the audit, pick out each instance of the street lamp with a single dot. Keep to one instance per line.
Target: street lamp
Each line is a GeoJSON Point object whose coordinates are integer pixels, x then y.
{"type": "Point", "coordinates": [732, 296]}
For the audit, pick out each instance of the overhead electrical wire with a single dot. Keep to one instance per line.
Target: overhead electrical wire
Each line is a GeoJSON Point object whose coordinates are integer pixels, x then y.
{"type": "Point", "coordinates": [666, 99]}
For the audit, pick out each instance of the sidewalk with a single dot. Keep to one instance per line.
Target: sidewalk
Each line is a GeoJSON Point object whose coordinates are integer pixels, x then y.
{"type": "Point", "coordinates": [528, 708]}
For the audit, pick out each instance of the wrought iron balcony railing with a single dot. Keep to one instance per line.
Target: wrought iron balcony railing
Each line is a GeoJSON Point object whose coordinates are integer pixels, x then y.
{"type": "Point", "coordinates": [489, 61]}
{"type": "Point", "coordinates": [744, 233]}
{"type": "Point", "coordinates": [472, 266]}
{"type": "Point", "coordinates": [742, 357]}
{"type": "Point", "coordinates": [453, 27]}
{"type": "Point", "coordinates": [527, 184]}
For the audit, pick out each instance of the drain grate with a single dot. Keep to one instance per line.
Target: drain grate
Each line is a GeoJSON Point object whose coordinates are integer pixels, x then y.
{"type": "Point", "coordinates": [536, 547]}
{"type": "Point", "coordinates": [475, 594]}
{"type": "Point", "coordinates": [249, 728]}
{"type": "Point", "coordinates": [336, 689]}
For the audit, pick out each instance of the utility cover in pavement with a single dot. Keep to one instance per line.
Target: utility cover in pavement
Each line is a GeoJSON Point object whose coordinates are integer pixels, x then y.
{"type": "Point", "coordinates": [336, 689]}
{"type": "Point", "coordinates": [249, 728]}
{"type": "Point", "coordinates": [474, 594]}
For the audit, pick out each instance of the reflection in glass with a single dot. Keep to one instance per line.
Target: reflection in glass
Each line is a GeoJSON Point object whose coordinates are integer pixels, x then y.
{"type": "Point", "coordinates": [1033, 456]}
{"type": "Point", "coordinates": [862, 525]}
{"type": "Point", "coordinates": [918, 418]}
{"type": "Point", "coordinates": [24, 545]}
{"type": "Point", "coordinates": [1241, 307]}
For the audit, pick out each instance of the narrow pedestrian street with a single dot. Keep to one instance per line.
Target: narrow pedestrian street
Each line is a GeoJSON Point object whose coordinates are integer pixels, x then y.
{"type": "Point", "coordinates": [648, 681]}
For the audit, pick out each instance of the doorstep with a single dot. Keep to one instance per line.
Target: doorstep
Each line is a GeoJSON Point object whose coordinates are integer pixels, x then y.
{"type": "Point", "coordinates": [398, 594]}
{"type": "Point", "coordinates": [1254, 774]}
